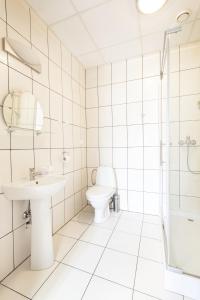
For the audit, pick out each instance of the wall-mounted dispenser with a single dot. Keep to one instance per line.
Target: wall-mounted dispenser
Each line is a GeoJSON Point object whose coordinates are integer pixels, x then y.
{"type": "Point", "coordinates": [24, 54]}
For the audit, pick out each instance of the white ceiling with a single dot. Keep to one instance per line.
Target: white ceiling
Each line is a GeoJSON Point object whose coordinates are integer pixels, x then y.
{"type": "Point", "coordinates": [101, 31]}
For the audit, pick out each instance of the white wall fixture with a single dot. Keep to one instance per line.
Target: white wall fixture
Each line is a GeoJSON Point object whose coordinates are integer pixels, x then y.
{"type": "Point", "coordinates": [22, 53]}
{"type": "Point", "coordinates": [39, 191]}
{"type": "Point", "coordinates": [183, 16]}
{"type": "Point", "coordinates": [150, 7]}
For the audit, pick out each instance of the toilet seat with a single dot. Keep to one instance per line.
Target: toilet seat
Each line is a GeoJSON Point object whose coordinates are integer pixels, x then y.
{"type": "Point", "coordinates": [98, 192]}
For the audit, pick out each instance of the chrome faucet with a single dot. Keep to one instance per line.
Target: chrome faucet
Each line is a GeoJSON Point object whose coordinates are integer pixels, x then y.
{"type": "Point", "coordinates": [33, 173]}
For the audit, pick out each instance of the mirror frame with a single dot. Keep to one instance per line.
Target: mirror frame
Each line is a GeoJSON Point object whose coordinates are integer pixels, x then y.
{"type": "Point", "coordinates": [13, 127]}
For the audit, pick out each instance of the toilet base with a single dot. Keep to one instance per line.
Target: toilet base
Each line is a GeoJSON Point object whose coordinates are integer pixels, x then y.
{"type": "Point", "coordinates": [101, 214]}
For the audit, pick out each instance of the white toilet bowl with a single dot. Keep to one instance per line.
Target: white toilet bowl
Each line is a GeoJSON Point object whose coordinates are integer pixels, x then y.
{"type": "Point", "coordinates": [101, 193]}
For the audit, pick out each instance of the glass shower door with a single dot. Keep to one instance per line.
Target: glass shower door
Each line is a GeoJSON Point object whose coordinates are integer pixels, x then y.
{"type": "Point", "coordinates": [180, 145]}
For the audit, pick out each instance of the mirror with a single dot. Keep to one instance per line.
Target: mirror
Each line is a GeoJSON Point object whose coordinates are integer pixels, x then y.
{"type": "Point", "coordinates": [22, 110]}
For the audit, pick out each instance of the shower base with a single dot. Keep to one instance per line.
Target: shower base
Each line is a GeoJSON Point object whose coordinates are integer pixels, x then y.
{"type": "Point", "coordinates": [182, 254]}
{"type": "Point", "coordinates": [182, 284]}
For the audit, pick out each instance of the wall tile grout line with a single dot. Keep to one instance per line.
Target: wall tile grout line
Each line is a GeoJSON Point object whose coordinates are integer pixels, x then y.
{"type": "Point", "coordinates": [127, 140]}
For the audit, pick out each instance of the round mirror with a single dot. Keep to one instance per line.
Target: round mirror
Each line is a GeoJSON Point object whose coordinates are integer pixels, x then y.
{"type": "Point", "coordinates": [22, 110]}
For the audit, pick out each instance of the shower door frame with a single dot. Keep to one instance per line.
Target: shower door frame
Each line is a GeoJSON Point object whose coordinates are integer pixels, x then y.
{"type": "Point", "coordinates": [175, 279]}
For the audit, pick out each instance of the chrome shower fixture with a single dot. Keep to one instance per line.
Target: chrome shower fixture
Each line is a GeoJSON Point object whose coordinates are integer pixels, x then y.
{"type": "Point", "coordinates": [183, 16]}
{"type": "Point", "coordinates": [173, 30]}
{"type": "Point", "coordinates": [187, 142]}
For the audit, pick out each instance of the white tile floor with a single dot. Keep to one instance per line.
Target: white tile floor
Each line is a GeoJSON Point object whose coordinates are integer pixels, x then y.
{"type": "Point", "coordinates": [121, 259]}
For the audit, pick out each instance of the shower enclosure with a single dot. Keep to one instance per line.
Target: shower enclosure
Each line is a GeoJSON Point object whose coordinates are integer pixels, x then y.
{"type": "Point", "coordinates": [180, 162]}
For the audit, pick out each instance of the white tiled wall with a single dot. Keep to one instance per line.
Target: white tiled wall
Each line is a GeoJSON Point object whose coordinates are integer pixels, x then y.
{"type": "Point", "coordinates": [60, 88]}
{"type": "Point", "coordinates": [122, 111]}
{"type": "Point", "coordinates": [184, 121]}
{"type": "Point", "coordinates": [123, 126]}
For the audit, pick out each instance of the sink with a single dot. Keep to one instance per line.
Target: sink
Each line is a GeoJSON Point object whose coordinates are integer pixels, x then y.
{"type": "Point", "coordinates": [39, 192]}
{"type": "Point", "coordinates": [37, 189]}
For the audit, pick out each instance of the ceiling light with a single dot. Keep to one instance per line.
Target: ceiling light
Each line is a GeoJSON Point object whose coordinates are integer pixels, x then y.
{"type": "Point", "coordinates": [150, 6]}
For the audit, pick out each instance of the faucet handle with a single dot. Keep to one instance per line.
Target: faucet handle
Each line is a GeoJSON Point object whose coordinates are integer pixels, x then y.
{"type": "Point", "coordinates": [32, 173]}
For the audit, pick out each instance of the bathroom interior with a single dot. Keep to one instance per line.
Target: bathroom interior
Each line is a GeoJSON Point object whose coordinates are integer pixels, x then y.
{"type": "Point", "coordinates": [100, 149]}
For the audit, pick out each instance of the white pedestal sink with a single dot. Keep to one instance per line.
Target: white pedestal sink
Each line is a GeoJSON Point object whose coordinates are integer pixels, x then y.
{"type": "Point", "coordinates": [38, 192]}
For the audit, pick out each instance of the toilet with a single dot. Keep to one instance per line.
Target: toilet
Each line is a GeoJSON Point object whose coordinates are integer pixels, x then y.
{"type": "Point", "coordinates": [101, 193]}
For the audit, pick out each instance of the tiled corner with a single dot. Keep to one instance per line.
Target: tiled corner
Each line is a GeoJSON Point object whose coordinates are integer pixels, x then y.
{"type": "Point", "coordinates": [73, 229]}
{"type": "Point", "coordinates": [6, 257]}
{"type": "Point", "coordinates": [25, 281]}
{"type": "Point", "coordinates": [8, 294]}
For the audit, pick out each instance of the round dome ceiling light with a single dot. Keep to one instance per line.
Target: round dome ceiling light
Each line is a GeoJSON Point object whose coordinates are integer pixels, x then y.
{"type": "Point", "coordinates": [183, 16]}
{"type": "Point", "coordinates": [150, 6]}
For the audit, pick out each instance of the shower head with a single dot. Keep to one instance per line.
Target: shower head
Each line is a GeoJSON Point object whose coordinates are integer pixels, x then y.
{"type": "Point", "coordinates": [183, 16]}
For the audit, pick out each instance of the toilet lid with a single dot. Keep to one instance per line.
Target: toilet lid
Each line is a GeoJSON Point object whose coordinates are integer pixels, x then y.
{"type": "Point", "coordinates": [98, 191]}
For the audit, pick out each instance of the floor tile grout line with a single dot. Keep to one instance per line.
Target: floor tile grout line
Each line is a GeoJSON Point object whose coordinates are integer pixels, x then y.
{"type": "Point", "coordinates": [115, 250]}
{"type": "Point", "coordinates": [76, 268]}
{"type": "Point", "coordinates": [145, 294]}
{"type": "Point", "coordinates": [106, 279]}
{"type": "Point", "coordinates": [13, 270]}
{"type": "Point", "coordinates": [114, 282]}
{"type": "Point", "coordinates": [136, 268]}
{"type": "Point", "coordinates": [79, 240]}
{"type": "Point", "coordinates": [131, 234]}
{"type": "Point", "coordinates": [71, 219]}
{"type": "Point", "coordinates": [93, 274]}
{"type": "Point", "coordinates": [14, 291]}
{"type": "Point", "coordinates": [57, 264]}
{"type": "Point", "coordinates": [106, 247]}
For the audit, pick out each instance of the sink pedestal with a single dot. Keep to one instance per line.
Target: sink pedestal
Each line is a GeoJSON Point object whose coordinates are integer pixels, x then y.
{"type": "Point", "coordinates": [42, 256]}
{"type": "Point", "coordinates": [39, 191]}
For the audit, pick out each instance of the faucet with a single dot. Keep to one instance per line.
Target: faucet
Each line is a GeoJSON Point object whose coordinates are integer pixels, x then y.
{"type": "Point", "coordinates": [33, 173]}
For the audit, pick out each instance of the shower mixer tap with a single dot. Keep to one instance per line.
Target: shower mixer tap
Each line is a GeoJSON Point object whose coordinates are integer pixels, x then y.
{"type": "Point", "coordinates": [187, 142]}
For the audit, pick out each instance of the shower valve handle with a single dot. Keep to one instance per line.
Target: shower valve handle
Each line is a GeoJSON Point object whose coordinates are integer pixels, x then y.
{"type": "Point", "coordinates": [187, 142]}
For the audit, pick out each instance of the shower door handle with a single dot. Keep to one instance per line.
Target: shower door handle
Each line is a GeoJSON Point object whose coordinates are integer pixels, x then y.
{"type": "Point", "coordinates": [161, 155]}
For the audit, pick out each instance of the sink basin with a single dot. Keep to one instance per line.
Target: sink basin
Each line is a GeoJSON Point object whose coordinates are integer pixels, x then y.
{"type": "Point", "coordinates": [39, 192]}
{"type": "Point", "coordinates": [37, 189]}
